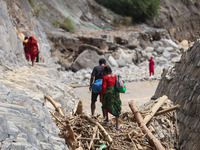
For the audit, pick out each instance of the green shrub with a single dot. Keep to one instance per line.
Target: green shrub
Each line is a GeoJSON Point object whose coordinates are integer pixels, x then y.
{"type": "Point", "coordinates": [35, 8]}
{"type": "Point", "coordinates": [68, 25]}
{"type": "Point", "coordinates": [139, 10]}
{"type": "Point", "coordinates": [126, 21]}
{"type": "Point", "coordinates": [56, 23]}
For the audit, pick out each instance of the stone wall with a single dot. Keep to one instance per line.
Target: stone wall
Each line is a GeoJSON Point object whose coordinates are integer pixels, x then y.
{"type": "Point", "coordinates": [181, 84]}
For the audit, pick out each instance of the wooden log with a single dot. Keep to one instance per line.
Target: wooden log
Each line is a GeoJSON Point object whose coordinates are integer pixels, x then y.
{"type": "Point", "coordinates": [93, 136]}
{"type": "Point", "coordinates": [153, 140]}
{"type": "Point", "coordinates": [56, 106]}
{"type": "Point", "coordinates": [82, 138]}
{"type": "Point", "coordinates": [155, 108]}
{"type": "Point", "coordinates": [57, 119]}
{"type": "Point", "coordinates": [70, 132]}
{"type": "Point", "coordinates": [100, 127]}
{"type": "Point", "coordinates": [78, 86]}
{"type": "Point", "coordinates": [167, 110]}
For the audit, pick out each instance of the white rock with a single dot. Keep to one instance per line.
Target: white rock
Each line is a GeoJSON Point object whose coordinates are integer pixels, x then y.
{"type": "Point", "coordinates": [149, 49]}
{"type": "Point", "coordinates": [175, 59]}
{"type": "Point", "coordinates": [169, 43]}
{"type": "Point", "coordinates": [169, 49]}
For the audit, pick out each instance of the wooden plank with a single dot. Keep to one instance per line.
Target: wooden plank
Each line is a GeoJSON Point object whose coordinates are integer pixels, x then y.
{"type": "Point", "coordinates": [155, 108]}
{"type": "Point", "coordinates": [167, 110]}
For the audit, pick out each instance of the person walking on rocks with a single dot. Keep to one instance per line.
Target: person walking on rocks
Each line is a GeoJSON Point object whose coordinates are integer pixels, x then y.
{"type": "Point", "coordinates": [26, 49]}
{"type": "Point", "coordinates": [110, 96]}
{"type": "Point", "coordinates": [97, 73]}
{"type": "Point", "coordinates": [33, 48]}
{"type": "Point", "coordinates": [151, 66]}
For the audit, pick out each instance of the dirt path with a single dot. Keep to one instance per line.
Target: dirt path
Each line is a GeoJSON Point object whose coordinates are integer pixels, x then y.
{"type": "Point", "coordinates": [140, 92]}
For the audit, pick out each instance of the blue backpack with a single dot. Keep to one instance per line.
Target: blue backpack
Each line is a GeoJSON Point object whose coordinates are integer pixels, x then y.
{"type": "Point", "coordinates": [96, 86]}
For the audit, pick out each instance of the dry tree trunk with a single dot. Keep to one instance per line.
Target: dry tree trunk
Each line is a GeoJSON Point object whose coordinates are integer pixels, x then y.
{"type": "Point", "coordinates": [56, 106]}
{"type": "Point", "coordinates": [153, 140]}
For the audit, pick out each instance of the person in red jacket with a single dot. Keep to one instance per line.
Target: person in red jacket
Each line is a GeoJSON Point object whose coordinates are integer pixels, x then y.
{"type": "Point", "coordinates": [26, 50]}
{"type": "Point", "coordinates": [151, 66]}
{"type": "Point", "coordinates": [110, 97]}
{"type": "Point", "coordinates": [33, 48]}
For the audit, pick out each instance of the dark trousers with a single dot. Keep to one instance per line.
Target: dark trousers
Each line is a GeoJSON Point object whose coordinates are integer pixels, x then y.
{"type": "Point", "coordinates": [37, 58]}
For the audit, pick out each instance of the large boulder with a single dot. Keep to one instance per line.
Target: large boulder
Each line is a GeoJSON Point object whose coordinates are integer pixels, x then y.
{"type": "Point", "coordinates": [87, 59]}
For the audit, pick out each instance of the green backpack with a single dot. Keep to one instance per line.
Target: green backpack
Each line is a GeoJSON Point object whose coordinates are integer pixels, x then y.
{"type": "Point", "coordinates": [119, 86]}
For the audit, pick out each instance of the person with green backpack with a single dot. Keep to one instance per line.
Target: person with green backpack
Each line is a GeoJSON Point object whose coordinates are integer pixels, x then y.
{"type": "Point", "coordinates": [110, 96]}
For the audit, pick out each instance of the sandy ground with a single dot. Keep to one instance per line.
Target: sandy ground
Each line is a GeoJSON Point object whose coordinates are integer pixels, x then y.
{"type": "Point", "coordinates": [140, 92]}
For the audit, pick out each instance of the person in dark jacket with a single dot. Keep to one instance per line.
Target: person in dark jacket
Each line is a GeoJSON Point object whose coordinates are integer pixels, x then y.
{"type": "Point", "coordinates": [97, 73]}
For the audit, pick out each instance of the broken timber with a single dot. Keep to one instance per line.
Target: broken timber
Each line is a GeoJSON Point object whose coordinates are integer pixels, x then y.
{"type": "Point", "coordinates": [153, 140]}
{"type": "Point", "coordinates": [155, 108]}
{"type": "Point", "coordinates": [56, 106]}
{"type": "Point", "coordinates": [167, 110]}
{"type": "Point", "coordinates": [100, 127]}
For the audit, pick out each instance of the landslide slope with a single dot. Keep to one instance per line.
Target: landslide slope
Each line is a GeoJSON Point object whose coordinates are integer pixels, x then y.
{"type": "Point", "coordinates": [181, 84]}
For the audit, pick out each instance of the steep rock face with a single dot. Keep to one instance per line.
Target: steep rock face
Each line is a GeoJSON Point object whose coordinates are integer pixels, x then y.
{"type": "Point", "coordinates": [11, 51]}
{"type": "Point", "coordinates": [26, 24]}
{"type": "Point", "coordinates": [86, 14]}
{"type": "Point", "coordinates": [181, 84]}
{"type": "Point", "coordinates": [25, 124]}
{"type": "Point", "coordinates": [180, 18]}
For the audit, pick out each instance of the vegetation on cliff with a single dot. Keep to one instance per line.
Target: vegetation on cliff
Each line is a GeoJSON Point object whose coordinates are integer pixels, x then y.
{"type": "Point", "coordinates": [137, 9]}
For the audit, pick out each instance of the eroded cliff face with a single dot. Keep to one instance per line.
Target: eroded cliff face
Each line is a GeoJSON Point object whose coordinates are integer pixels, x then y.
{"type": "Point", "coordinates": [180, 18]}
{"type": "Point", "coordinates": [181, 84]}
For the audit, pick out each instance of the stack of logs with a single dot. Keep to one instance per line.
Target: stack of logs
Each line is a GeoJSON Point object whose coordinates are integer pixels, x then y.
{"type": "Point", "coordinates": [83, 132]}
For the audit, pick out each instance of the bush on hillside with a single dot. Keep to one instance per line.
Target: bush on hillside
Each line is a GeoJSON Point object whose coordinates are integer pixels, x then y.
{"type": "Point", "coordinates": [56, 23]}
{"type": "Point", "coordinates": [68, 25]}
{"type": "Point", "coordinates": [139, 10]}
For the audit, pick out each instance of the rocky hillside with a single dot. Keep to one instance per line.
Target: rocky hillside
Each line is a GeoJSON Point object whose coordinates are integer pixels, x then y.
{"type": "Point", "coordinates": [25, 122]}
{"type": "Point", "coordinates": [181, 84]}
{"type": "Point", "coordinates": [180, 17]}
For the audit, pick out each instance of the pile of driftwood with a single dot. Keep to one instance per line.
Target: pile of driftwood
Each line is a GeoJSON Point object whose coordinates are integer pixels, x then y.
{"type": "Point", "coordinates": [83, 132]}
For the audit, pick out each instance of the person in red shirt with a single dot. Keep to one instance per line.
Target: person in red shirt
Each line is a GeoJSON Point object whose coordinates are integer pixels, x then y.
{"type": "Point", "coordinates": [33, 48]}
{"type": "Point", "coordinates": [151, 66]}
{"type": "Point", "coordinates": [26, 50]}
{"type": "Point", "coordinates": [110, 97]}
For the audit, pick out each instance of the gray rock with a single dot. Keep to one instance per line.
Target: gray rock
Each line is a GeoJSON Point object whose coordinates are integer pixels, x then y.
{"type": "Point", "coordinates": [149, 49]}
{"type": "Point", "coordinates": [161, 61]}
{"type": "Point", "coordinates": [169, 43]}
{"type": "Point", "coordinates": [175, 59]}
{"type": "Point", "coordinates": [112, 61]}
{"type": "Point", "coordinates": [169, 49]}
{"type": "Point", "coordinates": [160, 50]}
{"type": "Point", "coordinates": [121, 62]}
{"type": "Point", "coordinates": [157, 44]}
{"type": "Point", "coordinates": [172, 55]}
{"type": "Point", "coordinates": [166, 55]}
{"type": "Point", "coordinates": [87, 59]}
